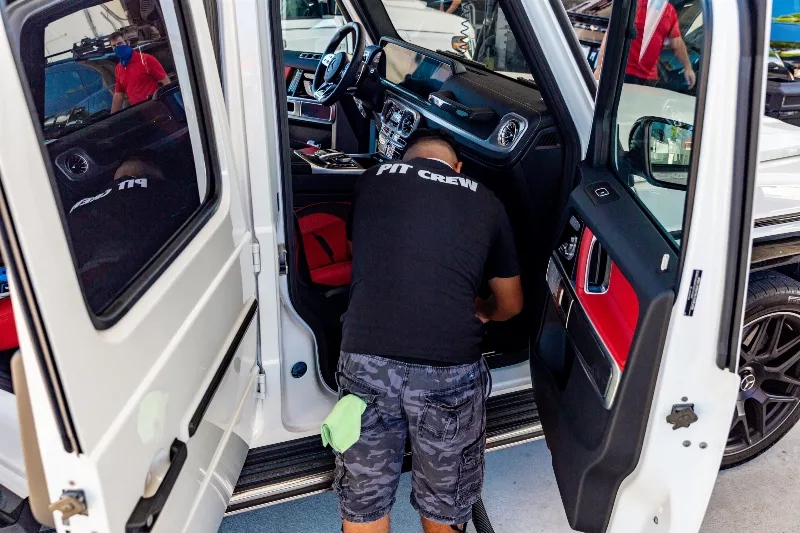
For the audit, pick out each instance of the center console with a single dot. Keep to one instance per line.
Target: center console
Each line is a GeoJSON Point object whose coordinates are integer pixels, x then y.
{"type": "Point", "coordinates": [327, 161]}
{"type": "Point", "coordinates": [398, 122]}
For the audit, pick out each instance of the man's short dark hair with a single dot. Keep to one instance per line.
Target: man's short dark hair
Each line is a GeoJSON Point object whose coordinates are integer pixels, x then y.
{"type": "Point", "coordinates": [115, 35]}
{"type": "Point", "coordinates": [424, 136]}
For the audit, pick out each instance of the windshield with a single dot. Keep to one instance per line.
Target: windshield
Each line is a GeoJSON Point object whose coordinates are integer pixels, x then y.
{"type": "Point", "coordinates": [473, 29]}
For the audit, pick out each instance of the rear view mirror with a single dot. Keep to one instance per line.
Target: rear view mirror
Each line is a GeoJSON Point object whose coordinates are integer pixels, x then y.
{"type": "Point", "coordinates": [660, 150]}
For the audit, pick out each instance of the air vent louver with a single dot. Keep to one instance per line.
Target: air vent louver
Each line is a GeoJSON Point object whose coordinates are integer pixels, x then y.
{"type": "Point", "coordinates": [77, 164]}
{"type": "Point", "coordinates": [508, 133]}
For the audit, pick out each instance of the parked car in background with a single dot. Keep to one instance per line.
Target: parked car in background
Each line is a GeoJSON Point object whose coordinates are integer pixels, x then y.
{"type": "Point", "coordinates": [308, 26]}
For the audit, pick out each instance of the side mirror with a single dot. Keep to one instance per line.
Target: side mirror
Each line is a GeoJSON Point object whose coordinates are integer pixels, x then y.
{"type": "Point", "coordinates": [660, 150]}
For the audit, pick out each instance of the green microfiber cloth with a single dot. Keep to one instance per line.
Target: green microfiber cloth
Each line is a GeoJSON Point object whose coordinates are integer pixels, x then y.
{"type": "Point", "coordinates": [342, 428]}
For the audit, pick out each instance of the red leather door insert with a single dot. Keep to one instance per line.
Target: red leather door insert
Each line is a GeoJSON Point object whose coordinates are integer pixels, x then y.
{"type": "Point", "coordinates": [613, 313]}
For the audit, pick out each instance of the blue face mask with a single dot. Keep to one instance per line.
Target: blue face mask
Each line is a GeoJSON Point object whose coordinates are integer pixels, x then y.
{"type": "Point", "coordinates": [124, 53]}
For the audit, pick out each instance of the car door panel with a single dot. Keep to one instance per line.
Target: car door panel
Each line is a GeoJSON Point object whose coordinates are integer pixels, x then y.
{"type": "Point", "coordinates": [596, 358]}
{"type": "Point", "coordinates": [153, 397]}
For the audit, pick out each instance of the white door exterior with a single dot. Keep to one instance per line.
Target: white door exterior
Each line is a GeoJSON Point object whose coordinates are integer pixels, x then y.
{"type": "Point", "coordinates": [165, 392]}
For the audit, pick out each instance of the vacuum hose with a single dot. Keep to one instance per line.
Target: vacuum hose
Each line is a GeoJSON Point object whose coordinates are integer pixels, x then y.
{"type": "Point", "coordinates": [481, 519]}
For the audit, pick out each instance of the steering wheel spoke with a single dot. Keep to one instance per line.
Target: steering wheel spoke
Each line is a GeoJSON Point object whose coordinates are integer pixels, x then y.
{"type": "Point", "coordinates": [324, 90]}
{"type": "Point", "coordinates": [336, 70]}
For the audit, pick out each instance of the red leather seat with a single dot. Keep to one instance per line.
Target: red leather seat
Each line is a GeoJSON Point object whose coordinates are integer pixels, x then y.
{"type": "Point", "coordinates": [8, 329]}
{"type": "Point", "coordinates": [323, 230]}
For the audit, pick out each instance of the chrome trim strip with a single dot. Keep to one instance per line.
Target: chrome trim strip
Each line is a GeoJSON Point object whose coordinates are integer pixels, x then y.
{"type": "Point", "coordinates": [497, 442]}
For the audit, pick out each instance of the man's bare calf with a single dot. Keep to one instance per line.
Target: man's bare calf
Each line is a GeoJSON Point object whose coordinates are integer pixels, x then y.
{"type": "Point", "coordinates": [382, 526]}
{"type": "Point", "coordinates": [378, 526]}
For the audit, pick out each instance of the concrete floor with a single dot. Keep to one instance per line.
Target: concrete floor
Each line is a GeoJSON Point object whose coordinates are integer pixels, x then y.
{"type": "Point", "coordinates": [520, 494]}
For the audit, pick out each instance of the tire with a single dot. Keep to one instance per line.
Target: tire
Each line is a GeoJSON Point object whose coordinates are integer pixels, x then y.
{"type": "Point", "coordinates": [773, 305]}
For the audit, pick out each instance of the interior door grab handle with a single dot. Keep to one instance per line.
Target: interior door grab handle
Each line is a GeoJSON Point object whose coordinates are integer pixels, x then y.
{"type": "Point", "coordinates": [146, 512]}
{"type": "Point", "coordinates": [598, 269]}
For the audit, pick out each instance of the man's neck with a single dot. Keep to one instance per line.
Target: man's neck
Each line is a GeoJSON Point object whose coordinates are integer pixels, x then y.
{"type": "Point", "coordinates": [440, 161]}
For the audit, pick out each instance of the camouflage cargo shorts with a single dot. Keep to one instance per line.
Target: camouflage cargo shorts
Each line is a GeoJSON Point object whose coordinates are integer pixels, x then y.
{"type": "Point", "coordinates": [441, 409]}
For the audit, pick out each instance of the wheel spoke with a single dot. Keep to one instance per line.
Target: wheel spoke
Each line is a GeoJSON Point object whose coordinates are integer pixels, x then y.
{"type": "Point", "coordinates": [747, 342]}
{"type": "Point", "coordinates": [740, 418]}
{"type": "Point", "coordinates": [770, 353]}
{"type": "Point", "coordinates": [782, 377]}
{"type": "Point", "coordinates": [753, 340]}
{"type": "Point", "coordinates": [788, 363]}
{"type": "Point", "coordinates": [789, 345]}
{"type": "Point", "coordinates": [779, 398]}
{"type": "Point", "coordinates": [760, 419]}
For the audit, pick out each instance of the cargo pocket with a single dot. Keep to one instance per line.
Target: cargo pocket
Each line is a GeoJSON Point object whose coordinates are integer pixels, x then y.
{"type": "Point", "coordinates": [470, 473]}
{"type": "Point", "coordinates": [369, 393]}
{"type": "Point", "coordinates": [446, 413]}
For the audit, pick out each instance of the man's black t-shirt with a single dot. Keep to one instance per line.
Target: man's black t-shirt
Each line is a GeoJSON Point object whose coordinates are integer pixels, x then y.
{"type": "Point", "coordinates": [117, 231]}
{"type": "Point", "coordinates": [424, 237]}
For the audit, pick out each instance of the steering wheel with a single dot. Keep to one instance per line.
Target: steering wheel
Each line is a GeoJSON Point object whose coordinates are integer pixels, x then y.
{"type": "Point", "coordinates": [337, 70]}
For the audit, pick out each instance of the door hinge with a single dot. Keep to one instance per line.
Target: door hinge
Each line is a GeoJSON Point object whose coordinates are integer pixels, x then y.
{"type": "Point", "coordinates": [282, 262]}
{"type": "Point", "coordinates": [682, 416]}
{"type": "Point", "coordinates": [72, 502]}
{"type": "Point", "coordinates": [261, 387]}
{"type": "Point", "coordinates": [255, 248]}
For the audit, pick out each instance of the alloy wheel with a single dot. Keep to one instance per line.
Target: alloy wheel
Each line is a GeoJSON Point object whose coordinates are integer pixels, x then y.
{"type": "Point", "coordinates": [769, 379]}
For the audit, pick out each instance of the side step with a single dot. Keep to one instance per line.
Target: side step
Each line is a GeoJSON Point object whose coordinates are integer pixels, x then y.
{"type": "Point", "coordinates": [302, 467]}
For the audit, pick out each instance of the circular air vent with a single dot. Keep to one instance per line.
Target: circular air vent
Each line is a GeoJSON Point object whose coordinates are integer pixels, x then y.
{"type": "Point", "coordinates": [508, 132]}
{"type": "Point", "coordinates": [77, 164]}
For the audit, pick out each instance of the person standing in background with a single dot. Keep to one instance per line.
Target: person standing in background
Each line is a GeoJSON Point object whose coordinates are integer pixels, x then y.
{"type": "Point", "coordinates": [656, 25]}
{"type": "Point", "coordinates": [138, 75]}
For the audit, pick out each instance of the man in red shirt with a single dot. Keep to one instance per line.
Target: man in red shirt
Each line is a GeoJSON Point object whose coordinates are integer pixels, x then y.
{"type": "Point", "coordinates": [651, 37]}
{"type": "Point", "coordinates": [138, 75]}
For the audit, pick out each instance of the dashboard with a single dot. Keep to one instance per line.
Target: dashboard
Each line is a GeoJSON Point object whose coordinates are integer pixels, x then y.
{"type": "Point", "coordinates": [491, 116]}
{"type": "Point", "coordinates": [400, 87]}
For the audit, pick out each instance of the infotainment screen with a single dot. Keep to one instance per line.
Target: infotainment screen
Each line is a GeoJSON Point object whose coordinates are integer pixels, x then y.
{"type": "Point", "coordinates": [413, 70]}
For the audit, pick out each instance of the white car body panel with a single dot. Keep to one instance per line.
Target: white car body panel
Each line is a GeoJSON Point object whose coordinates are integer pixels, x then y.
{"type": "Point", "coordinates": [110, 469]}
{"type": "Point", "coordinates": [777, 191]}
{"type": "Point", "coordinates": [670, 487]}
{"type": "Point", "coordinates": [131, 389]}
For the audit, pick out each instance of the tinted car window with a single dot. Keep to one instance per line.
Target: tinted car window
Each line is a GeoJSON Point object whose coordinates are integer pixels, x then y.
{"type": "Point", "coordinates": [127, 156]}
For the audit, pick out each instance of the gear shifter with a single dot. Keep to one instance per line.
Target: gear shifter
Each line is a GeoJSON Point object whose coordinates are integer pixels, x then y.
{"type": "Point", "coordinates": [329, 159]}
{"type": "Point", "coordinates": [333, 157]}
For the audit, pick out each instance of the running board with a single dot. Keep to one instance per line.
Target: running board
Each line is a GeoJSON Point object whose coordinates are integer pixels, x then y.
{"type": "Point", "coordinates": [295, 469]}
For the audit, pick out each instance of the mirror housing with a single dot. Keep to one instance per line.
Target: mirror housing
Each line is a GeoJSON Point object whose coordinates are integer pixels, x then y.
{"type": "Point", "coordinates": [660, 150]}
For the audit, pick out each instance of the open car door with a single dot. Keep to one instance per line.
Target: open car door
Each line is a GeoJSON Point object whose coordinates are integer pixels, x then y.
{"type": "Point", "coordinates": [635, 367]}
{"type": "Point", "coordinates": [136, 311]}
